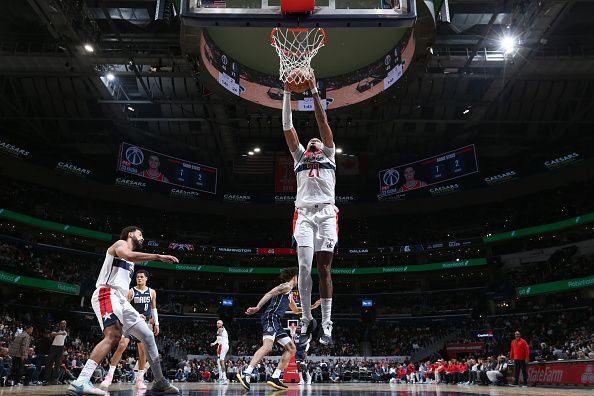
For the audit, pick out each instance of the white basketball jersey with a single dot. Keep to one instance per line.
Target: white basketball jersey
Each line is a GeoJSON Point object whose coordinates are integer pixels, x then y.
{"type": "Point", "coordinates": [116, 274]}
{"type": "Point", "coordinates": [316, 176]}
{"type": "Point", "coordinates": [224, 340]}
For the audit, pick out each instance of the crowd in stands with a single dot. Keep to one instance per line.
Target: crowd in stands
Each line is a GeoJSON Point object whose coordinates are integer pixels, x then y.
{"type": "Point", "coordinates": [559, 334]}
{"type": "Point", "coordinates": [567, 267]}
{"type": "Point", "coordinates": [475, 221]}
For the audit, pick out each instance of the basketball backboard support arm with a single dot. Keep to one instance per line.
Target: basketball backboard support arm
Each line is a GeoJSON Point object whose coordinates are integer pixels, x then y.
{"type": "Point", "coordinates": [194, 14]}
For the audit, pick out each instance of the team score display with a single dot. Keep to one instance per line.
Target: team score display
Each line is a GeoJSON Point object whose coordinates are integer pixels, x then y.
{"type": "Point", "coordinates": [314, 169]}
{"type": "Point", "coordinates": [164, 168]}
{"type": "Point", "coordinates": [437, 169]}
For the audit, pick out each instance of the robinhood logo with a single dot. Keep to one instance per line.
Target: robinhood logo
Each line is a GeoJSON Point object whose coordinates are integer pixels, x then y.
{"type": "Point", "coordinates": [240, 270]}
{"type": "Point", "coordinates": [9, 277]}
{"type": "Point", "coordinates": [395, 269]}
{"type": "Point", "coordinates": [183, 267]}
{"type": "Point", "coordinates": [344, 271]}
{"type": "Point", "coordinates": [524, 291]}
{"type": "Point", "coordinates": [455, 264]}
{"type": "Point", "coordinates": [66, 287]}
{"type": "Point", "coordinates": [581, 282]}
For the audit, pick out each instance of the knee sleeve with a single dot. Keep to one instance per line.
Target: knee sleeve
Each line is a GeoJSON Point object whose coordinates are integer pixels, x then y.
{"type": "Point", "coordinates": [142, 332]}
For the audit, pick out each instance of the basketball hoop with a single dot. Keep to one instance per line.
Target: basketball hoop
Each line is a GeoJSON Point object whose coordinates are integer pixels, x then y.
{"type": "Point", "coordinates": [295, 48]}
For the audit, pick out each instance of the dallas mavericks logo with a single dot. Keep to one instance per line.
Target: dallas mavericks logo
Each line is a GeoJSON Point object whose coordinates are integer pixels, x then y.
{"type": "Point", "coordinates": [391, 177]}
{"type": "Point", "coordinates": [134, 155]}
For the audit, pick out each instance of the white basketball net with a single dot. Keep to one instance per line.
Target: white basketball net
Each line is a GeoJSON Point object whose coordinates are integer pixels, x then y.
{"type": "Point", "coordinates": [296, 47]}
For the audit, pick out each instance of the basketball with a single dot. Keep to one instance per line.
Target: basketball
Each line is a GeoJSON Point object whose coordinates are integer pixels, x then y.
{"type": "Point", "coordinates": [297, 80]}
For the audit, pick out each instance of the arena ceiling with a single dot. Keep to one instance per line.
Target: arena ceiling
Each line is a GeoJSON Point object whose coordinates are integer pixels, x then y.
{"type": "Point", "coordinates": [520, 108]}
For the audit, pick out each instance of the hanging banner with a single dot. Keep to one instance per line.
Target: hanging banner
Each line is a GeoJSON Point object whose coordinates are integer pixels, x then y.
{"type": "Point", "coordinates": [284, 175]}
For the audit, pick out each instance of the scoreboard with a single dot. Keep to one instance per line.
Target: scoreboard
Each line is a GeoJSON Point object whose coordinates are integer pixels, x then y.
{"type": "Point", "coordinates": [163, 168]}
{"type": "Point", "coordinates": [429, 171]}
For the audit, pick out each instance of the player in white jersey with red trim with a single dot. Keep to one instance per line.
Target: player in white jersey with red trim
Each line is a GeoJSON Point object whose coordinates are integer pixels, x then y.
{"type": "Point", "coordinates": [116, 314]}
{"type": "Point", "coordinates": [315, 223]}
{"type": "Point", "coordinates": [222, 343]}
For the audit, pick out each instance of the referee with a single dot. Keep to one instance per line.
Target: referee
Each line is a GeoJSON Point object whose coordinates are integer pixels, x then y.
{"type": "Point", "coordinates": [56, 353]}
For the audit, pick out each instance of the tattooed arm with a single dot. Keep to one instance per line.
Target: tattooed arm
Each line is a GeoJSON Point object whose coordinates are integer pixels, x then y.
{"type": "Point", "coordinates": [280, 289]}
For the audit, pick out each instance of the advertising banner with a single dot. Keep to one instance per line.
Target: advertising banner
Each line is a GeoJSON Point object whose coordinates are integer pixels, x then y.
{"type": "Point", "coordinates": [45, 284]}
{"type": "Point", "coordinates": [335, 271]}
{"type": "Point", "coordinates": [562, 373]}
{"type": "Point", "coordinates": [555, 287]}
{"type": "Point", "coordinates": [14, 149]}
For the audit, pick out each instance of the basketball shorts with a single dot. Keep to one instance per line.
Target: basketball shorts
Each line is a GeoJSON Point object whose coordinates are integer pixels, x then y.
{"type": "Point", "coordinates": [272, 329]}
{"type": "Point", "coordinates": [110, 307]}
{"type": "Point", "coordinates": [222, 351]}
{"type": "Point", "coordinates": [316, 227]}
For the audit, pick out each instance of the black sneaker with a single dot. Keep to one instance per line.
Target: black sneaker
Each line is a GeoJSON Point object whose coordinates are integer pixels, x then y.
{"type": "Point", "coordinates": [277, 384]}
{"type": "Point", "coordinates": [164, 386]}
{"type": "Point", "coordinates": [305, 338]}
{"type": "Point", "coordinates": [243, 381]}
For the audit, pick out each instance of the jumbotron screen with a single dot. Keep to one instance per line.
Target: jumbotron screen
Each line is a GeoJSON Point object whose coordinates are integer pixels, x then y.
{"type": "Point", "coordinates": [163, 168]}
{"type": "Point", "coordinates": [429, 171]}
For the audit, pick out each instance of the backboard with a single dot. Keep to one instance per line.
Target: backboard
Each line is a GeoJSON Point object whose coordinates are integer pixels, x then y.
{"type": "Point", "coordinates": [326, 13]}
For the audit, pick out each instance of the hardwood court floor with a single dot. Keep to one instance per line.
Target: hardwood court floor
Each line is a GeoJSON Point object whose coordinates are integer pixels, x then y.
{"type": "Point", "coordinates": [347, 389]}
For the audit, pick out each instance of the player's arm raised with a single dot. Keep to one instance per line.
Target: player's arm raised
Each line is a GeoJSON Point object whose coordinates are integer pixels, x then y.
{"type": "Point", "coordinates": [123, 251]}
{"type": "Point", "coordinates": [280, 289]}
{"type": "Point", "coordinates": [321, 119]}
{"type": "Point", "coordinates": [289, 131]}
{"type": "Point", "coordinates": [155, 313]}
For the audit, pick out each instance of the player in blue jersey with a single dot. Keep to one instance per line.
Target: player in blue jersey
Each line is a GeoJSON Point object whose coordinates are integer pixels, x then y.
{"type": "Point", "coordinates": [279, 300]}
{"type": "Point", "coordinates": [144, 300]}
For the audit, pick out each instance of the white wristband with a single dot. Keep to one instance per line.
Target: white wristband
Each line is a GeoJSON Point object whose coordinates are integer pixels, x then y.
{"type": "Point", "coordinates": [314, 90]}
{"type": "Point", "coordinates": [156, 317]}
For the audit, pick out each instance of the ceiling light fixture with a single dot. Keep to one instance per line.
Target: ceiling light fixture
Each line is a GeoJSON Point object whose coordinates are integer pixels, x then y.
{"type": "Point", "coordinates": [508, 44]}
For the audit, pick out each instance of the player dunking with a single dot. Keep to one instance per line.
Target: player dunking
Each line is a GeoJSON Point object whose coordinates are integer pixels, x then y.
{"type": "Point", "coordinates": [222, 349]}
{"type": "Point", "coordinates": [315, 224]}
{"type": "Point", "coordinates": [144, 300]}
{"type": "Point", "coordinates": [273, 331]}
{"type": "Point", "coordinates": [115, 314]}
